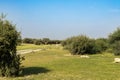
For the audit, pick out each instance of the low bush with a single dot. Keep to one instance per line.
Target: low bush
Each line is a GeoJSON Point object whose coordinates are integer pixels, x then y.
{"type": "Point", "coordinates": [80, 45]}
{"type": "Point", "coordinates": [84, 45]}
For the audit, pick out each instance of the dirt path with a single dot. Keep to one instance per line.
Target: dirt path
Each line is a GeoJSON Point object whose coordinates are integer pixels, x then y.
{"type": "Point", "coordinates": [27, 51]}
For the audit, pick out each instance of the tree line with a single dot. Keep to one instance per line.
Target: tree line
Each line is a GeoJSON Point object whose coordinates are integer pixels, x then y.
{"type": "Point", "coordinates": [44, 41]}
{"type": "Point", "coordinates": [82, 44]}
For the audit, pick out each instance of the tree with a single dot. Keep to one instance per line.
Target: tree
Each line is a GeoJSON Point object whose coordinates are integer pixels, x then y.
{"type": "Point", "coordinates": [28, 40]}
{"type": "Point", "coordinates": [9, 60]}
{"type": "Point", "coordinates": [115, 36]}
{"type": "Point", "coordinates": [38, 42]}
{"type": "Point", "coordinates": [46, 40]}
{"type": "Point", "coordinates": [114, 40]}
{"type": "Point", "coordinates": [54, 42]}
{"type": "Point", "coordinates": [101, 44]}
{"type": "Point", "coordinates": [116, 48]}
{"type": "Point", "coordinates": [19, 40]}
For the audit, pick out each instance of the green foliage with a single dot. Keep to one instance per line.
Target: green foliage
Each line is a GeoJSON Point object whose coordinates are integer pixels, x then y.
{"type": "Point", "coordinates": [84, 45]}
{"type": "Point", "coordinates": [9, 61]}
{"type": "Point", "coordinates": [54, 42]}
{"type": "Point", "coordinates": [115, 36]}
{"type": "Point", "coordinates": [80, 45]}
{"type": "Point", "coordinates": [114, 40]}
{"type": "Point", "coordinates": [28, 40]}
{"type": "Point", "coordinates": [46, 40]}
{"type": "Point", "coordinates": [116, 48]}
{"type": "Point", "coordinates": [19, 40]}
{"type": "Point", "coordinates": [38, 42]}
{"type": "Point", "coordinates": [101, 44]}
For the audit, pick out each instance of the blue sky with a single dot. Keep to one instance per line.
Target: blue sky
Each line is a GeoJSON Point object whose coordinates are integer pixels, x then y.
{"type": "Point", "coordinates": [60, 19]}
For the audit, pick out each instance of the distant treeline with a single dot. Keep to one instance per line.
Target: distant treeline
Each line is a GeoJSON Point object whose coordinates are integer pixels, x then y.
{"type": "Point", "coordinates": [45, 41]}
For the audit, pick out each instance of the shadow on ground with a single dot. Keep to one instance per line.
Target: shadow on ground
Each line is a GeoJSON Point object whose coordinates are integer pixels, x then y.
{"type": "Point", "coordinates": [34, 70]}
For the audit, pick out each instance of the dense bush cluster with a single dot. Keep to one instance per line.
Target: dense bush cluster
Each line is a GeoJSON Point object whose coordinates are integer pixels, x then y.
{"type": "Point", "coordinates": [9, 60]}
{"type": "Point", "coordinates": [84, 45]}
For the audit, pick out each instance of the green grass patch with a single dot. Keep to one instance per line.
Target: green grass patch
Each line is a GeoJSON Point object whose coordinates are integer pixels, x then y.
{"type": "Point", "coordinates": [52, 64]}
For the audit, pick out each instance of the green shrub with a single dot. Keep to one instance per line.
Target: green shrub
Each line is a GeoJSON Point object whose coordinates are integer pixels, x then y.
{"type": "Point", "coordinates": [115, 36]}
{"type": "Point", "coordinates": [9, 60]}
{"type": "Point", "coordinates": [46, 41]}
{"type": "Point", "coordinates": [38, 42]}
{"type": "Point", "coordinates": [114, 40]}
{"type": "Point", "coordinates": [80, 45]}
{"type": "Point", "coordinates": [101, 44]}
{"type": "Point", "coordinates": [85, 45]}
{"type": "Point", "coordinates": [28, 40]}
{"type": "Point", "coordinates": [116, 48]}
